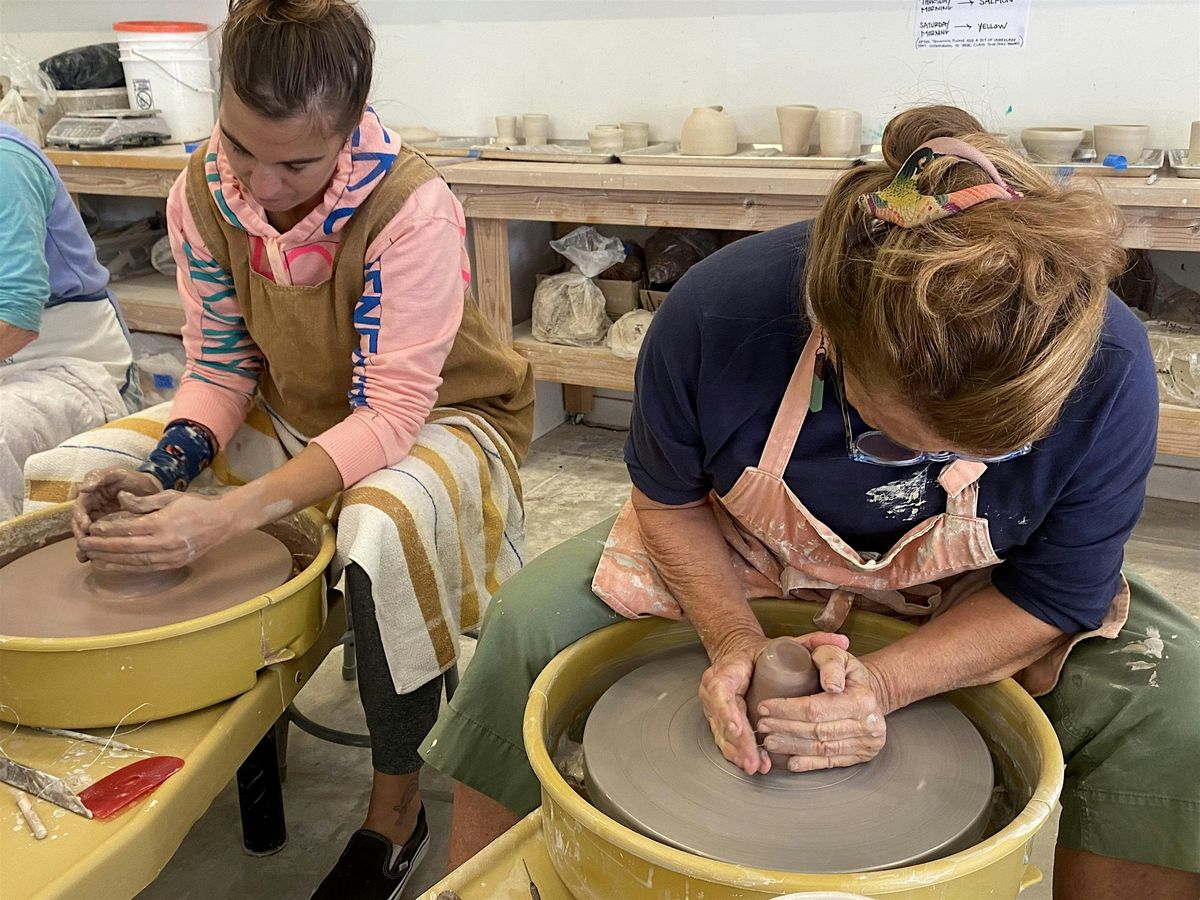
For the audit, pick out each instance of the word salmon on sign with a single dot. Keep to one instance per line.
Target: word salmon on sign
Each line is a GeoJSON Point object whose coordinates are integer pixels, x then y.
{"type": "Point", "coordinates": [972, 23]}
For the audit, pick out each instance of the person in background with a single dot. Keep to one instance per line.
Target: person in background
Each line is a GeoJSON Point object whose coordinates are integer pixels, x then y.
{"type": "Point", "coordinates": [65, 359]}
{"type": "Point", "coordinates": [333, 351]}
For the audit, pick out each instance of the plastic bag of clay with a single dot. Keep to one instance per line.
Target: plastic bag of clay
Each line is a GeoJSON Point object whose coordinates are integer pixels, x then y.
{"type": "Point", "coordinates": [126, 250]}
{"type": "Point", "coordinates": [569, 309]}
{"type": "Point", "coordinates": [21, 115]}
{"type": "Point", "coordinates": [1175, 347]}
{"type": "Point", "coordinates": [161, 257]}
{"type": "Point", "coordinates": [626, 336]}
{"type": "Point", "coordinates": [672, 251]}
{"type": "Point", "coordinates": [85, 68]}
{"type": "Point", "coordinates": [590, 250]}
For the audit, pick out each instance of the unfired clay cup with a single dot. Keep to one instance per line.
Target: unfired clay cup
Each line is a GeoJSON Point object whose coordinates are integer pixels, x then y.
{"type": "Point", "coordinates": [1053, 145]}
{"type": "Point", "coordinates": [795, 128]}
{"type": "Point", "coordinates": [606, 139]}
{"type": "Point", "coordinates": [506, 129]}
{"type": "Point", "coordinates": [537, 129]}
{"type": "Point", "coordinates": [841, 132]}
{"type": "Point", "coordinates": [1128, 141]}
{"type": "Point", "coordinates": [637, 135]}
{"type": "Point", "coordinates": [1194, 145]}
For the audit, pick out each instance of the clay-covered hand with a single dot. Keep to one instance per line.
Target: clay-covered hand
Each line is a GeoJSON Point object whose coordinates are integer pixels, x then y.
{"type": "Point", "coordinates": [166, 531]}
{"type": "Point", "coordinates": [723, 696]}
{"type": "Point", "coordinates": [843, 725]}
{"type": "Point", "coordinates": [98, 496]}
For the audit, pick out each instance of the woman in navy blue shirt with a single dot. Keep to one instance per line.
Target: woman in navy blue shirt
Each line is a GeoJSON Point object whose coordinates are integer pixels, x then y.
{"type": "Point", "coordinates": [927, 403]}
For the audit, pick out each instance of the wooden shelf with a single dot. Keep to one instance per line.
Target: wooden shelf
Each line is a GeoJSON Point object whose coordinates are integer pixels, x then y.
{"type": "Point", "coordinates": [1178, 430]}
{"type": "Point", "coordinates": [591, 366]}
{"type": "Point", "coordinates": [149, 303]}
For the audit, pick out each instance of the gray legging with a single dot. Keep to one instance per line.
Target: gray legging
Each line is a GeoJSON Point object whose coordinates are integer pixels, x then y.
{"type": "Point", "coordinates": [397, 722]}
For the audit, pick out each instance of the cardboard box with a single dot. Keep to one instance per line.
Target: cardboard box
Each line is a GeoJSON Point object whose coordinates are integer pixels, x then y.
{"type": "Point", "coordinates": [620, 297]}
{"type": "Point", "coordinates": [652, 300]}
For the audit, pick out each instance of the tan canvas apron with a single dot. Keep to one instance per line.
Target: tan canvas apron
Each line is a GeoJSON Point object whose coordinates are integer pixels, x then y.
{"type": "Point", "coordinates": [780, 549]}
{"type": "Point", "coordinates": [307, 332]}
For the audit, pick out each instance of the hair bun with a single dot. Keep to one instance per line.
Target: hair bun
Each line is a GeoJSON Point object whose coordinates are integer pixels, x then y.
{"type": "Point", "coordinates": [296, 12]}
{"type": "Point", "coordinates": [913, 127]}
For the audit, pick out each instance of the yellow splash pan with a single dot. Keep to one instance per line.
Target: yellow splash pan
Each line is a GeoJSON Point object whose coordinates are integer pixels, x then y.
{"type": "Point", "coordinates": [598, 859]}
{"type": "Point", "coordinates": [155, 673]}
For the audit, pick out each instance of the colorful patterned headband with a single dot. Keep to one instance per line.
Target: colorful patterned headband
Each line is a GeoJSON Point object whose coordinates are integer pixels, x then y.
{"type": "Point", "coordinates": [902, 204]}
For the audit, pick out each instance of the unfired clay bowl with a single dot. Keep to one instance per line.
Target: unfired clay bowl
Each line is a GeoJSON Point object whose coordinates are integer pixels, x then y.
{"type": "Point", "coordinates": [1054, 145]}
{"type": "Point", "coordinates": [606, 139]}
{"type": "Point", "coordinates": [417, 134]}
{"type": "Point", "coordinates": [1128, 141]}
{"type": "Point", "coordinates": [708, 131]}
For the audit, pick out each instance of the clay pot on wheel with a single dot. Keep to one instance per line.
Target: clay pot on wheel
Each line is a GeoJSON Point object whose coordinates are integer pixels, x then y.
{"type": "Point", "coordinates": [708, 131]}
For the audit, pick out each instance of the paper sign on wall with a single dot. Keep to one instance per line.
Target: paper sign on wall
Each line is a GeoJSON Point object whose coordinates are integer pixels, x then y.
{"type": "Point", "coordinates": [972, 23]}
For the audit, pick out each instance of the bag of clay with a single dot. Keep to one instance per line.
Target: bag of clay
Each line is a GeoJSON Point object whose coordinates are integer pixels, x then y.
{"type": "Point", "coordinates": [21, 115]}
{"type": "Point", "coordinates": [590, 250]}
{"type": "Point", "coordinates": [626, 336]}
{"type": "Point", "coordinates": [569, 309]}
{"type": "Point", "coordinates": [672, 251]}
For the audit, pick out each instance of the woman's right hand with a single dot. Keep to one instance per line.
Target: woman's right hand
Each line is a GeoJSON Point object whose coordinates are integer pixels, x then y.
{"type": "Point", "coordinates": [723, 695]}
{"type": "Point", "coordinates": [99, 496]}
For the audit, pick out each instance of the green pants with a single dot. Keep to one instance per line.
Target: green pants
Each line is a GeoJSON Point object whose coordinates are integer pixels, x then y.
{"type": "Point", "coordinates": [1130, 734]}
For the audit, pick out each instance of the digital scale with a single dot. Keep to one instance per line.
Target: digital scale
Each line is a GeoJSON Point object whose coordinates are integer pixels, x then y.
{"type": "Point", "coordinates": [109, 129]}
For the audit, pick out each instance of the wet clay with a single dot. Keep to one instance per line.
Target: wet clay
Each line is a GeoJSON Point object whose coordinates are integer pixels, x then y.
{"type": "Point", "coordinates": [50, 594]}
{"type": "Point", "coordinates": [651, 763]}
{"type": "Point", "coordinates": [783, 669]}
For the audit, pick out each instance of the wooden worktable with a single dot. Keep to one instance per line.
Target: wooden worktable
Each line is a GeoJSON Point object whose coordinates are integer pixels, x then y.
{"type": "Point", "coordinates": [1164, 215]}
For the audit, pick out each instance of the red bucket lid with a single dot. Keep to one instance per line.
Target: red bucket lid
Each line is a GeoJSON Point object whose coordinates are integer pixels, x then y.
{"type": "Point", "coordinates": [160, 27]}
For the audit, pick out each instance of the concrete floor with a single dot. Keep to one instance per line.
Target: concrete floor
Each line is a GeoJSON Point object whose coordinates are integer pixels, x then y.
{"type": "Point", "coordinates": [573, 478]}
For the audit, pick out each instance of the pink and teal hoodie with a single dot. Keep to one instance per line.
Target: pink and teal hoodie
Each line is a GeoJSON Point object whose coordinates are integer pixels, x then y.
{"type": "Point", "coordinates": [421, 274]}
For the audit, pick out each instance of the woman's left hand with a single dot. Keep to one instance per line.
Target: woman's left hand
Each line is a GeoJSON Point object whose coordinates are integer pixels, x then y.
{"type": "Point", "coordinates": [841, 726]}
{"type": "Point", "coordinates": [165, 531]}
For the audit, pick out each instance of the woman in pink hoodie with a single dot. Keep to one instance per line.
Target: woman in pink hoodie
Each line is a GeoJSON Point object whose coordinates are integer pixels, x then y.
{"type": "Point", "coordinates": [324, 279]}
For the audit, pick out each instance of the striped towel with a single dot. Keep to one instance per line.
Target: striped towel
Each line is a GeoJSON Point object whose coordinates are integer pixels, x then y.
{"type": "Point", "coordinates": [436, 533]}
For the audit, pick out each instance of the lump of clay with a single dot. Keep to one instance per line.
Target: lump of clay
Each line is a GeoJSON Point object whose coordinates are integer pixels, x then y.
{"type": "Point", "coordinates": [785, 668]}
{"type": "Point", "coordinates": [569, 309]}
{"type": "Point", "coordinates": [626, 336]}
{"type": "Point", "coordinates": [417, 134]}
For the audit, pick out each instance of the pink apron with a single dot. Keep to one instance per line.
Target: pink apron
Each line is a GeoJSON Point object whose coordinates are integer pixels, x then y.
{"type": "Point", "coordinates": [780, 549]}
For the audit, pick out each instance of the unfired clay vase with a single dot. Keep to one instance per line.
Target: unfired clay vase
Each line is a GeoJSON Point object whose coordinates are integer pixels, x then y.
{"type": "Point", "coordinates": [506, 130]}
{"type": "Point", "coordinates": [537, 129]}
{"type": "Point", "coordinates": [1128, 141]}
{"type": "Point", "coordinates": [637, 135]}
{"type": "Point", "coordinates": [795, 128]}
{"type": "Point", "coordinates": [708, 131]}
{"type": "Point", "coordinates": [841, 132]}
{"type": "Point", "coordinates": [1053, 145]}
{"type": "Point", "coordinates": [1194, 145]}
{"type": "Point", "coordinates": [606, 139]}
{"type": "Point", "coordinates": [417, 134]}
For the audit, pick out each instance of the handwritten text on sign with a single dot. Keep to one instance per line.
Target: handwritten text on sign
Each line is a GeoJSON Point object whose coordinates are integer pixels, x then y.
{"type": "Point", "coordinates": [972, 23]}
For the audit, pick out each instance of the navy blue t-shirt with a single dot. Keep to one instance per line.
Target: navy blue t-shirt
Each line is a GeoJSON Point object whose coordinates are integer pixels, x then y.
{"type": "Point", "coordinates": [712, 373]}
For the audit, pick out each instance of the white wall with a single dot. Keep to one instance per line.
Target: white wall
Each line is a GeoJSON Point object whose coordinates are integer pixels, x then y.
{"type": "Point", "coordinates": [455, 65]}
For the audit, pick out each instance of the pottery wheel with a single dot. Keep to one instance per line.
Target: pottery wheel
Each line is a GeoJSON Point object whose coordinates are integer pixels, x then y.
{"type": "Point", "coordinates": [652, 764]}
{"type": "Point", "coordinates": [50, 594]}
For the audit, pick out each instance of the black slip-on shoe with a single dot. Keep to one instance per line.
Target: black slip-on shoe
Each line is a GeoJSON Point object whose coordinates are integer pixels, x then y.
{"type": "Point", "coordinates": [366, 869]}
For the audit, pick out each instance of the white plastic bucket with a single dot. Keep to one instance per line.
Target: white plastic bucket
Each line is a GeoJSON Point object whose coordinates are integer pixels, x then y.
{"type": "Point", "coordinates": [167, 67]}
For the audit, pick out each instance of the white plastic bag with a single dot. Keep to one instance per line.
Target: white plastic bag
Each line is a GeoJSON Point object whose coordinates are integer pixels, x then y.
{"type": "Point", "coordinates": [591, 251]}
{"type": "Point", "coordinates": [16, 112]}
{"type": "Point", "coordinates": [569, 309]}
{"type": "Point", "coordinates": [626, 336]}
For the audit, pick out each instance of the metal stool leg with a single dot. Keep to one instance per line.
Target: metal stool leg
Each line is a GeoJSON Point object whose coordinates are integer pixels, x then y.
{"type": "Point", "coordinates": [260, 796]}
